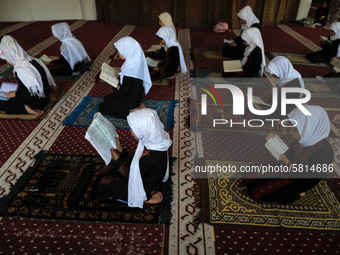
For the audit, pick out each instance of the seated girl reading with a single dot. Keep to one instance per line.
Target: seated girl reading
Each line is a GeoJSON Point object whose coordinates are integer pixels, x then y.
{"type": "Point", "coordinates": [173, 59]}
{"type": "Point", "coordinates": [166, 20]}
{"type": "Point", "coordinates": [235, 49]}
{"type": "Point", "coordinates": [330, 46]}
{"type": "Point", "coordinates": [137, 178]}
{"type": "Point", "coordinates": [254, 60]}
{"type": "Point", "coordinates": [134, 80]}
{"type": "Point", "coordinates": [286, 76]}
{"type": "Point", "coordinates": [73, 56]}
{"type": "Point", "coordinates": [33, 78]}
{"type": "Point", "coordinates": [309, 148]}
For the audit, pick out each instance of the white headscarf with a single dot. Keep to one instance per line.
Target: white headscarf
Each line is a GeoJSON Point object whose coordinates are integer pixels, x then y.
{"type": "Point", "coordinates": [135, 63]}
{"type": "Point", "coordinates": [11, 51]}
{"type": "Point", "coordinates": [253, 37]}
{"type": "Point", "coordinates": [246, 13]}
{"type": "Point", "coordinates": [149, 130]}
{"type": "Point", "coordinates": [165, 17]}
{"type": "Point", "coordinates": [335, 26]}
{"type": "Point", "coordinates": [168, 35]}
{"type": "Point", "coordinates": [283, 68]}
{"type": "Point", "coordinates": [312, 128]}
{"type": "Point", "coordinates": [71, 48]}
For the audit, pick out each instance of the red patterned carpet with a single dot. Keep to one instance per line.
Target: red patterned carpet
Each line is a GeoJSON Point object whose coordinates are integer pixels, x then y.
{"type": "Point", "coordinates": [273, 41]}
{"type": "Point", "coordinates": [23, 139]}
{"type": "Point", "coordinates": [27, 236]}
{"type": "Point", "coordinates": [312, 34]}
{"type": "Point", "coordinates": [236, 240]}
{"type": "Point", "coordinates": [248, 148]}
{"type": "Point", "coordinates": [208, 39]}
{"type": "Point", "coordinates": [32, 34]}
{"type": "Point", "coordinates": [4, 25]}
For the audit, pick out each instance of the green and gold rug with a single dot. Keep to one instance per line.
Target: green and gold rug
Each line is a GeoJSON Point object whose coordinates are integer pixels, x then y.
{"type": "Point", "coordinates": [296, 59]}
{"type": "Point", "coordinates": [230, 204]}
{"type": "Point", "coordinates": [204, 54]}
{"type": "Point", "coordinates": [82, 115]}
{"type": "Point", "coordinates": [63, 187]}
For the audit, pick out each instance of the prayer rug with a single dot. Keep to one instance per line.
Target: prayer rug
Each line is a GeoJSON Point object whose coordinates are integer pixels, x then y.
{"type": "Point", "coordinates": [215, 76]}
{"type": "Point", "coordinates": [203, 54]}
{"type": "Point", "coordinates": [63, 187]}
{"type": "Point", "coordinates": [319, 89]}
{"type": "Point", "coordinates": [334, 117]}
{"type": "Point", "coordinates": [9, 74]}
{"type": "Point", "coordinates": [53, 99]}
{"type": "Point", "coordinates": [280, 241]}
{"type": "Point", "coordinates": [162, 83]}
{"type": "Point", "coordinates": [82, 115]}
{"type": "Point", "coordinates": [296, 59]}
{"type": "Point", "coordinates": [231, 204]}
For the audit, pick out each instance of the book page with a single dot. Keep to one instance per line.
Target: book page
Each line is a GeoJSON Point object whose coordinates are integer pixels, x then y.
{"type": "Point", "coordinates": [276, 146]}
{"type": "Point", "coordinates": [156, 47]}
{"type": "Point", "coordinates": [7, 87]}
{"type": "Point", "coordinates": [109, 75]}
{"type": "Point", "coordinates": [101, 134]}
{"type": "Point", "coordinates": [151, 62]}
{"type": "Point", "coordinates": [232, 66]}
{"type": "Point", "coordinates": [45, 58]}
{"type": "Point", "coordinates": [325, 39]}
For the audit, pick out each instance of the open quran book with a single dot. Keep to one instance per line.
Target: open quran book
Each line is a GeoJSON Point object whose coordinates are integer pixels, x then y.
{"type": "Point", "coordinates": [45, 58]}
{"type": "Point", "coordinates": [276, 146]}
{"type": "Point", "coordinates": [151, 62]}
{"type": "Point", "coordinates": [109, 75]}
{"type": "Point", "coordinates": [232, 66]}
{"type": "Point", "coordinates": [101, 134]}
{"type": "Point", "coordinates": [7, 87]}
{"type": "Point", "coordinates": [156, 47]}
{"type": "Point", "coordinates": [325, 39]}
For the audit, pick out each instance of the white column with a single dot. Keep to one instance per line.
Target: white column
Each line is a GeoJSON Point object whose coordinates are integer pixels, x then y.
{"type": "Point", "coordinates": [303, 9]}
{"type": "Point", "coordinates": [88, 9]}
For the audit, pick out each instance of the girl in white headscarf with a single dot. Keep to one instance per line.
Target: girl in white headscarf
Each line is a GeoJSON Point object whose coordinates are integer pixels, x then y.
{"type": "Point", "coordinates": [166, 20]}
{"type": "Point", "coordinates": [309, 149]}
{"type": "Point", "coordinates": [285, 74]}
{"type": "Point", "coordinates": [235, 48]}
{"type": "Point", "coordinates": [134, 80]}
{"type": "Point", "coordinates": [141, 181]}
{"type": "Point", "coordinates": [254, 59]}
{"type": "Point", "coordinates": [282, 69]}
{"type": "Point", "coordinates": [330, 46]}
{"type": "Point", "coordinates": [174, 58]}
{"type": "Point", "coordinates": [73, 54]}
{"type": "Point", "coordinates": [33, 77]}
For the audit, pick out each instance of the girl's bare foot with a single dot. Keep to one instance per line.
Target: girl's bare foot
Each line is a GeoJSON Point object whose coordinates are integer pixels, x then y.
{"type": "Point", "coordinates": [155, 199]}
{"type": "Point", "coordinates": [32, 111]}
{"type": "Point", "coordinates": [302, 194]}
